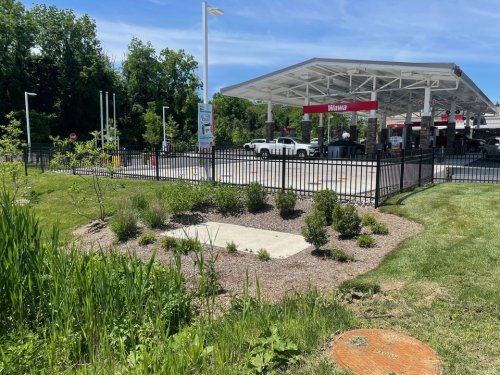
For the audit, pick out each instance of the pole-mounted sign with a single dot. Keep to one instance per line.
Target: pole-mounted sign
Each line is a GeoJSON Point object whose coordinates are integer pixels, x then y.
{"type": "Point", "coordinates": [341, 107]}
{"type": "Point", "coordinates": [205, 125]}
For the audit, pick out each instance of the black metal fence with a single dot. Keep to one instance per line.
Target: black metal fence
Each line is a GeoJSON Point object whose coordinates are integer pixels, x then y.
{"type": "Point", "coordinates": [362, 179]}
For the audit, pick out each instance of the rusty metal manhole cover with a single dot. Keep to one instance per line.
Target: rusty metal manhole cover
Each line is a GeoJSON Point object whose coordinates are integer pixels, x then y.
{"type": "Point", "coordinates": [384, 352]}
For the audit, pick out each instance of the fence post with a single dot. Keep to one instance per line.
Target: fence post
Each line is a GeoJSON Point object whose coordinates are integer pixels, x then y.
{"type": "Point", "coordinates": [157, 166]}
{"type": "Point", "coordinates": [41, 160]}
{"type": "Point", "coordinates": [25, 157]}
{"type": "Point", "coordinates": [420, 168]}
{"type": "Point", "coordinates": [283, 166]}
{"type": "Point", "coordinates": [402, 174]}
{"type": "Point", "coordinates": [213, 163]}
{"type": "Point", "coordinates": [377, 180]}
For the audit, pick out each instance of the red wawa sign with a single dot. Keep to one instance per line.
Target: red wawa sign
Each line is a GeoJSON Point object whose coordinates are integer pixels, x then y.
{"type": "Point", "coordinates": [341, 107]}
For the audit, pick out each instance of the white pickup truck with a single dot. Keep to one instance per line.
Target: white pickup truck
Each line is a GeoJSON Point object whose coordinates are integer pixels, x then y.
{"type": "Point", "coordinates": [292, 147]}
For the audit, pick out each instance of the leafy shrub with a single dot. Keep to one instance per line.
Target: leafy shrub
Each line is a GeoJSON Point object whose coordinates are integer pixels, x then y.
{"type": "Point", "coordinates": [263, 255]}
{"type": "Point", "coordinates": [368, 220]}
{"type": "Point", "coordinates": [325, 202]}
{"type": "Point", "coordinates": [379, 228]}
{"type": "Point", "coordinates": [146, 239]}
{"type": "Point", "coordinates": [155, 213]}
{"type": "Point", "coordinates": [124, 222]}
{"type": "Point", "coordinates": [168, 243]}
{"type": "Point", "coordinates": [285, 201]}
{"type": "Point", "coordinates": [255, 197]}
{"type": "Point", "coordinates": [365, 240]}
{"type": "Point", "coordinates": [231, 247]}
{"type": "Point", "coordinates": [340, 255]}
{"type": "Point", "coordinates": [314, 232]}
{"type": "Point", "coordinates": [179, 197]}
{"type": "Point", "coordinates": [228, 199]}
{"type": "Point", "coordinates": [346, 221]}
{"type": "Point", "coordinates": [187, 245]}
{"type": "Point", "coordinates": [366, 287]}
{"type": "Point", "coordinates": [202, 195]}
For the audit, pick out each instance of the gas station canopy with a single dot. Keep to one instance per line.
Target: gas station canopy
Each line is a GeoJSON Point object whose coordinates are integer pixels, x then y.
{"type": "Point", "coordinates": [396, 85]}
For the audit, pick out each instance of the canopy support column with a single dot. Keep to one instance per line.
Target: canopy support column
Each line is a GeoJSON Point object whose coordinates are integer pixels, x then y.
{"type": "Point", "coordinates": [425, 126]}
{"type": "Point", "coordinates": [384, 132]}
{"type": "Point", "coordinates": [269, 122]}
{"type": "Point", "coordinates": [450, 129]}
{"type": "Point", "coordinates": [408, 129]}
{"type": "Point", "coordinates": [353, 127]}
{"type": "Point", "coordinates": [371, 131]}
{"type": "Point", "coordinates": [468, 129]}
{"type": "Point", "coordinates": [306, 125]}
{"type": "Point", "coordinates": [321, 134]}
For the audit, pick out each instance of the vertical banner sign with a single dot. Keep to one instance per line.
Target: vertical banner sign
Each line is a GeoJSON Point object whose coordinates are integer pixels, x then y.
{"type": "Point", "coordinates": [205, 125]}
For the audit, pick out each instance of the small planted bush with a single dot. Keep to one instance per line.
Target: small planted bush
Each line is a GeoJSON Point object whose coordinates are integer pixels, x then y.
{"type": "Point", "coordinates": [325, 201]}
{"type": "Point", "coordinates": [346, 221]}
{"type": "Point", "coordinates": [231, 247]}
{"type": "Point", "coordinates": [179, 197]}
{"type": "Point", "coordinates": [315, 232]}
{"type": "Point", "coordinates": [365, 240]}
{"type": "Point", "coordinates": [187, 245]}
{"type": "Point", "coordinates": [340, 255]}
{"type": "Point", "coordinates": [368, 220]}
{"type": "Point", "coordinates": [228, 199]}
{"type": "Point", "coordinates": [124, 222]}
{"type": "Point", "coordinates": [263, 255]}
{"type": "Point", "coordinates": [202, 195]}
{"type": "Point", "coordinates": [379, 228]}
{"type": "Point", "coordinates": [146, 239]}
{"type": "Point", "coordinates": [285, 201]}
{"type": "Point", "coordinates": [155, 213]}
{"type": "Point", "coordinates": [255, 197]}
{"type": "Point", "coordinates": [168, 243]}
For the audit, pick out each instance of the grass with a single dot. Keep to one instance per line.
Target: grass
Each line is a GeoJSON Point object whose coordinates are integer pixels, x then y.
{"type": "Point", "coordinates": [442, 285]}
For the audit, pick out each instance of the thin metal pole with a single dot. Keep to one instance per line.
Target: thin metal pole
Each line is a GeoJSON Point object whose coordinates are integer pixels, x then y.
{"type": "Point", "coordinates": [377, 180]}
{"type": "Point", "coordinates": [107, 116]}
{"type": "Point", "coordinates": [27, 120]}
{"type": "Point", "coordinates": [102, 125]}
{"type": "Point", "coordinates": [114, 119]}
{"type": "Point", "coordinates": [205, 52]}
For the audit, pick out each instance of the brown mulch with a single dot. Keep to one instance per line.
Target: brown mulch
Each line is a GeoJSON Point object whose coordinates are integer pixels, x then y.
{"type": "Point", "coordinates": [277, 277]}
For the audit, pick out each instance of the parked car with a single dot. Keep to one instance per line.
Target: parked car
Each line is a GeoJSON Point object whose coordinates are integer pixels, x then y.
{"type": "Point", "coordinates": [471, 144]}
{"type": "Point", "coordinates": [491, 146]}
{"type": "Point", "coordinates": [292, 146]}
{"type": "Point", "coordinates": [251, 145]}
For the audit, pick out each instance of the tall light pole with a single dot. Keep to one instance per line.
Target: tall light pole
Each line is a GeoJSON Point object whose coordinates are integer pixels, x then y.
{"type": "Point", "coordinates": [28, 133]}
{"type": "Point", "coordinates": [102, 121]}
{"type": "Point", "coordinates": [114, 120]}
{"type": "Point", "coordinates": [217, 12]}
{"type": "Point", "coordinates": [107, 117]}
{"type": "Point", "coordinates": [164, 139]}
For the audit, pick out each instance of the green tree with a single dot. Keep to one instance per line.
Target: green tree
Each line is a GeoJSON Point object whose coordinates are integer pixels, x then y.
{"type": "Point", "coordinates": [11, 170]}
{"type": "Point", "coordinates": [154, 127]}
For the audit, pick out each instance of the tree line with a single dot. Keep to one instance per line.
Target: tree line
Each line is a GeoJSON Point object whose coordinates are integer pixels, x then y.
{"type": "Point", "coordinates": [57, 55]}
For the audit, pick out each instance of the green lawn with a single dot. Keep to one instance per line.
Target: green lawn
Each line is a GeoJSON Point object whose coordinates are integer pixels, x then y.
{"type": "Point", "coordinates": [443, 286]}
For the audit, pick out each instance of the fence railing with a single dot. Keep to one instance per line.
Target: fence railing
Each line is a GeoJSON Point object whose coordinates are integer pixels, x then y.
{"type": "Point", "coordinates": [362, 179]}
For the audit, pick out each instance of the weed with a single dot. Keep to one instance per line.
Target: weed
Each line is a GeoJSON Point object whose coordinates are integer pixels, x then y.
{"type": "Point", "coordinates": [325, 202]}
{"type": "Point", "coordinates": [379, 228]}
{"type": "Point", "coordinates": [231, 247]}
{"type": "Point", "coordinates": [155, 213]}
{"type": "Point", "coordinates": [346, 221]}
{"type": "Point", "coordinates": [146, 239]}
{"type": "Point", "coordinates": [340, 255]}
{"type": "Point", "coordinates": [186, 245]}
{"type": "Point", "coordinates": [139, 202]}
{"type": "Point", "coordinates": [124, 222]}
{"type": "Point", "coordinates": [355, 285]}
{"type": "Point", "coordinates": [263, 255]}
{"type": "Point", "coordinates": [255, 197]}
{"type": "Point", "coordinates": [168, 243]}
{"type": "Point", "coordinates": [315, 232]}
{"type": "Point", "coordinates": [285, 201]}
{"type": "Point", "coordinates": [365, 240]}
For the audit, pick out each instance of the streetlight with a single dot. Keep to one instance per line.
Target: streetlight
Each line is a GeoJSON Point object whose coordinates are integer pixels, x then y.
{"type": "Point", "coordinates": [329, 118]}
{"type": "Point", "coordinates": [164, 139]}
{"type": "Point", "coordinates": [28, 117]}
{"type": "Point", "coordinates": [216, 12]}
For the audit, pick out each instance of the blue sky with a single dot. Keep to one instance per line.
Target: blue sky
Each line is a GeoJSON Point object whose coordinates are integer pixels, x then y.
{"type": "Point", "coordinates": [257, 37]}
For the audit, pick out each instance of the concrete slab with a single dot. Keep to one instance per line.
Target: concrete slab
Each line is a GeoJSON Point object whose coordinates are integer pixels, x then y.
{"type": "Point", "coordinates": [278, 244]}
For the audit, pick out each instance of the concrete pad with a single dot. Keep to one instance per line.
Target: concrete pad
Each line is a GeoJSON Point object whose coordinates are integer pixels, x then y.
{"type": "Point", "coordinates": [278, 244]}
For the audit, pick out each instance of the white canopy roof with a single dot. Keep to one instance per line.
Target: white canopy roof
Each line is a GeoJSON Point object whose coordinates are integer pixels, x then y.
{"type": "Point", "coordinates": [396, 83]}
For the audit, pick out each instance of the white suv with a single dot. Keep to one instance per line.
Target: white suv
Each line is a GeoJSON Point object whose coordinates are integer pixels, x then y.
{"type": "Point", "coordinates": [492, 146]}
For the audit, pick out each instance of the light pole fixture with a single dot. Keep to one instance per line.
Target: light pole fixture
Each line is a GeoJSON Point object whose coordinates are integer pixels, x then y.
{"type": "Point", "coordinates": [102, 121]}
{"type": "Point", "coordinates": [217, 12]}
{"type": "Point", "coordinates": [164, 145]}
{"type": "Point", "coordinates": [28, 133]}
{"type": "Point", "coordinates": [329, 118]}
